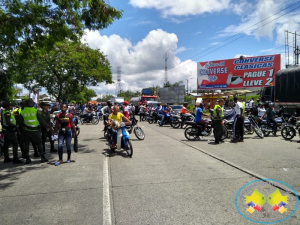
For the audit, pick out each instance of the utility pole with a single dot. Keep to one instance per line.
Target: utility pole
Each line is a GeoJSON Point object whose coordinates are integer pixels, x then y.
{"type": "Point", "coordinates": [166, 57]}
{"type": "Point", "coordinates": [119, 84]}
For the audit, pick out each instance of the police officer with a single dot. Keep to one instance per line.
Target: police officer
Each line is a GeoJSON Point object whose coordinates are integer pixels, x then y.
{"type": "Point", "coordinates": [29, 122]}
{"type": "Point", "coordinates": [9, 127]}
{"type": "Point", "coordinates": [46, 126]}
{"type": "Point", "coordinates": [218, 120]}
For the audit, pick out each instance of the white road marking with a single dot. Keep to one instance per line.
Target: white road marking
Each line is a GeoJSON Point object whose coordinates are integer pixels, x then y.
{"type": "Point", "coordinates": [106, 194]}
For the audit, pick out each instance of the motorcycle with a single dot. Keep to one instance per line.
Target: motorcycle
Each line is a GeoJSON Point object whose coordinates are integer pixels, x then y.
{"type": "Point", "coordinates": [123, 141]}
{"type": "Point", "coordinates": [194, 130]}
{"type": "Point", "coordinates": [268, 127]}
{"type": "Point", "coordinates": [89, 118]}
{"type": "Point", "coordinates": [139, 133]}
{"type": "Point", "coordinates": [255, 126]}
{"type": "Point", "coordinates": [290, 128]}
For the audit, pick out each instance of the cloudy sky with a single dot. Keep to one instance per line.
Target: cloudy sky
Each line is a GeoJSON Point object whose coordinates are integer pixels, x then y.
{"type": "Point", "coordinates": [189, 31]}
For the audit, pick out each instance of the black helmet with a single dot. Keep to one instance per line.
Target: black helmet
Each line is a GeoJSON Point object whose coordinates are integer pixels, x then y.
{"type": "Point", "coordinates": [108, 102]}
{"type": "Point", "coordinates": [271, 104]}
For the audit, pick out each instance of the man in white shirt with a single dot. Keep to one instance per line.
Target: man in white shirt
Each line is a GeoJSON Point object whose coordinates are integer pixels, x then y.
{"type": "Point", "coordinates": [251, 103]}
{"type": "Point", "coordinates": [238, 125]}
{"type": "Point", "coordinates": [33, 97]}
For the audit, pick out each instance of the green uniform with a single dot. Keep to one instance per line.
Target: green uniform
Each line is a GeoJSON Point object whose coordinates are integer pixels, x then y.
{"type": "Point", "coordinates": [46, 124]}
{"type": "Point", "coordinates": [29, 122]}
{"type": "Point", "coordinates": [9, 128]}
{"type": "Point", "coordinates": [218, 118]}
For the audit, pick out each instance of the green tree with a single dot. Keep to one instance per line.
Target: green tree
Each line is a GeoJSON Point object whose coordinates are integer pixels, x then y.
{"type": "Point", "coordinates": [27, 25]}
{"type": "Point", "coordinates": [84, 96]}
{"type": "Point", "coordinates": [176, 84]}
{"type": "Point", "coordinates": [106, 97]}
{"type": "Point", "coordinates": [66, 70]}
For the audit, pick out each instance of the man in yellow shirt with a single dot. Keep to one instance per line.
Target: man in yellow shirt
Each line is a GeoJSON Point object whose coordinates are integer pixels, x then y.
{"type": "Point", "coordinates": [116, 116]}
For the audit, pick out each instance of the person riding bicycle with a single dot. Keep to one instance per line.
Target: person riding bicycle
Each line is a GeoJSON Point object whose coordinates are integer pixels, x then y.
{"type": "Point", "coordinates": [271, 117]}
{"type": "Point", "coordinates": [116, 116]}
{"type": "Point", "coordinates": [183, 112]}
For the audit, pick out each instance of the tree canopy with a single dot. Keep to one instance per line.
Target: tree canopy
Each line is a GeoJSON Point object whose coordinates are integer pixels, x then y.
{"type": "Point", "coordinates": [27, 25]}
{"type": "Point", "coordinates": [65, 70]}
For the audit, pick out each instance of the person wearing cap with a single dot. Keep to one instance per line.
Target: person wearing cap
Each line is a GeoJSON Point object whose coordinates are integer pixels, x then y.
{"type": "Point", "coordinates": [125, 109]}
{"type": "Point", "coordinates": [46, 127]}
{"type": "Point", "coordinates": [9, 127]}
{"type": "Point", "coordinates": [218, 116]}
{"type": "Point", "coordinates": [29, 121]}
{"type": "Point", "coordinates": [238, 125]}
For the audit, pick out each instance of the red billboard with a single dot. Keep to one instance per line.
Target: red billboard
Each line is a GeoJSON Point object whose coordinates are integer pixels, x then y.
{"type": "Point", "coordinates": [249, 72]}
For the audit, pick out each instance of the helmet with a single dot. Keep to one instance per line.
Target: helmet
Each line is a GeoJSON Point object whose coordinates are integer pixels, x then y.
{"type": "Point", "coordinates": [108, 103]}
{"type": "Point", "coordinates": [125, 103]}
{"type": "Point", "coordinates": [271, 104]}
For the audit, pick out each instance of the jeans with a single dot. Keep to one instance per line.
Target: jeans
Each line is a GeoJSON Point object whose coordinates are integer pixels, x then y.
{"type": "Point", "coordinates": [114, 134]}
{"type": "Point", "coordinates": [62, 136]}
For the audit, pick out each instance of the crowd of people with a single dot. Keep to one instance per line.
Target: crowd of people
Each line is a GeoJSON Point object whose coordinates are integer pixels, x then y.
{"type": "Point", "coordinates": [26, 124]}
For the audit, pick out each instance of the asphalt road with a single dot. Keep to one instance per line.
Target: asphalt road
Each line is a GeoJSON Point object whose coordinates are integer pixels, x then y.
{"type": "Point", "coordinates": [169, 180]}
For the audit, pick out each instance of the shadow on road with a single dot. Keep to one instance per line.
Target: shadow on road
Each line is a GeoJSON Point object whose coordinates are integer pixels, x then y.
{"type": "Point", "coordinates": [110, 153]}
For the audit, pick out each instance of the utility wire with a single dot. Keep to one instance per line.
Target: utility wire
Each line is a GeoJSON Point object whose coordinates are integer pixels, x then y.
{"type": "Point", "coordinates": [234, 39]}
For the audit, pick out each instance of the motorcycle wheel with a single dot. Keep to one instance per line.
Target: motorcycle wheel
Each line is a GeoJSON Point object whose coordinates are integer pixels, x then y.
{"type": "Point", "coordinates": [129, 149]}
{"type": "Point", "coordinates": [225, 134]}
{"type": "Point", "coordinates": [95, 121]}
{"type": "Point", "coordinates": [288, 133]}
{"type": "Point", "coordinates": [191, 133]}
{"type": "Point", "coordinates": [175, 123]}
{"type": "Point", "coordinates": [139, 133]}
{"type": "Point", "coordinates": [151, 120]}
{"type": "Point", "coordinates": [264, 129]}
{"type": "Point", "coordinates": [258, 131]}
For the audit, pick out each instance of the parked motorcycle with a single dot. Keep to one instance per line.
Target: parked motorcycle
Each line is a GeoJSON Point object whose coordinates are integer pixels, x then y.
{"type": "Point", "coordinates": [194, 130]}
{"type": "Point", "coordinates": [139, 133]}
{"type": "Point", "coordinates": [290, 128]}
{"type": "Point", "coordinates": [92, 118]}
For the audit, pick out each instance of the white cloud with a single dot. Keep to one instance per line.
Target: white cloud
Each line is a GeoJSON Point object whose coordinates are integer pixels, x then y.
{"type": "Point", "coordinates": [182, 7]}
{"type": "Point", "coordinates": [142, 63]}
{"type": "Point", "coordinates": [199, 32]}
{"type": "Point", "coordinates": [266, 11]}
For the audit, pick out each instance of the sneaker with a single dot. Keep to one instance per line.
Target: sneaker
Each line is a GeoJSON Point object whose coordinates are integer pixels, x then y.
{"type": "Point", "coordinates": [234, 141]}
{"type": "Point", "coordinates": [241, 140]}
{"type": "Point", "coordinates": [204, 133]}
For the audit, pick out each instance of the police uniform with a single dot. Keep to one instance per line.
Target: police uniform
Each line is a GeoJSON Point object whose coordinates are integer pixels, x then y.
{"type": "Point", "coordinates": [9, 127]}
{"type": "Point", "coordinates": [218, 119]}
{"type": "Point", "coordinates": [29, 122]}
{"type": "Point", "coordinates": [46, 125]}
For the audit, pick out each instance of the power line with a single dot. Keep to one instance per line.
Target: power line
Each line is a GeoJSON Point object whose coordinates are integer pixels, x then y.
{"type": "Point", "coordinates": [233, 39]}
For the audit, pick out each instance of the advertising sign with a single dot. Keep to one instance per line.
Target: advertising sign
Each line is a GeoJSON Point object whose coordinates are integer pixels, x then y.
{"type": "Point", "coordinates": [146, 91]}
{"type": "Point", "coordinates": [249, 72]}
